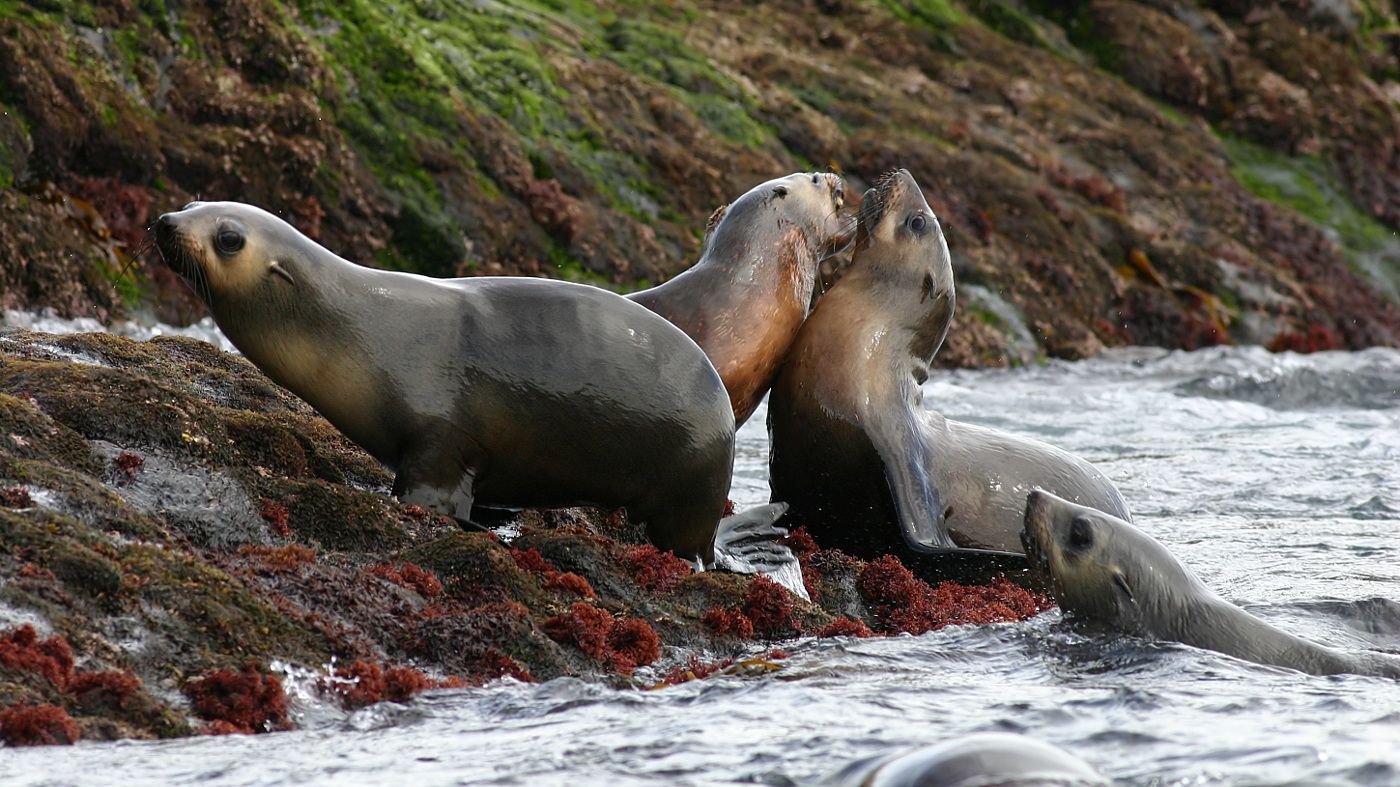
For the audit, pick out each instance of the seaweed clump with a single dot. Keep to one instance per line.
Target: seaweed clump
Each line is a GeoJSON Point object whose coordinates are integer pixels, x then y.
{"type": "Point", "coordinates": [245, 701]}
{"type": "Point", "coordinates": [620, 645]}
{"type": "Point", "coordinates": [902, 602]}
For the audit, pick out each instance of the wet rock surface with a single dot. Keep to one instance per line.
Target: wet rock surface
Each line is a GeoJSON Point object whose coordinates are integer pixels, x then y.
{"type": "Point", "coordinates": [172, 526]}
{"type": "Point", "coordinates": [1173, 173]}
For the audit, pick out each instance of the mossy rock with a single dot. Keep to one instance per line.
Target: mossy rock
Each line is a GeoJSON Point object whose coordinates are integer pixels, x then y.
{"type": "Point", "coordinates": [477, 567]}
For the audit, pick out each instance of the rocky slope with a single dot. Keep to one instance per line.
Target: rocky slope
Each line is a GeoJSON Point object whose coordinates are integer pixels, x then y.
{"type": "Point", "coordinates": [1162, 172]}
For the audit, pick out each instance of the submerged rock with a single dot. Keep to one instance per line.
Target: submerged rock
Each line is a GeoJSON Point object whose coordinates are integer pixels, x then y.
{"type": "Point", "coordinates": [175, 524]}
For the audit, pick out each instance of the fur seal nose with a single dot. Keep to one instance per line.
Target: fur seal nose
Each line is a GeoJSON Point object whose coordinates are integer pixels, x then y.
{"type": "Point", "coordinates": [1034, 500]}
{"type": "Point", "coordinates": [165, 227]}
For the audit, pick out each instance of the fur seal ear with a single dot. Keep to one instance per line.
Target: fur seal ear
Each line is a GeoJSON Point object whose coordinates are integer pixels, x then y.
{"type": "Point", "coordinates": [716, 218]}
{"type": "Point", "coordinates": [276, 267]}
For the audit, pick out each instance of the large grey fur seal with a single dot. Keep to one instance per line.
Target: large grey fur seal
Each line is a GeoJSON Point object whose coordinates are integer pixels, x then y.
{"type": "Point", "coordinates": [495, 391]}
{"type": "Point", "coordinates": [1108, 572]}
{"type": "Point", "coordinates": [989, 759]}
{"type": "Point", "coordinates": [864, 466]}
{"type": "Point", "coordinates": [746, 297]}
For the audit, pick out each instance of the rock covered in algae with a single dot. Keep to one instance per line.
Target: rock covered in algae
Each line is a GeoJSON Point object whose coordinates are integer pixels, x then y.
{"type": "Point", "coordinates": [175, 524]}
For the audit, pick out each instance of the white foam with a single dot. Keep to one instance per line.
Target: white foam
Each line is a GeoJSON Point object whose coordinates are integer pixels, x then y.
{"type": "Point", "coordinates": [47, 321]}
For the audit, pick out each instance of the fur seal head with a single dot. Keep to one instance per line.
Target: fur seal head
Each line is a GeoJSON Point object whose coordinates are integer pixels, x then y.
{"type": "Point", "coordinates": [901, 250]}
{"type": "Point", "coordinates": [231, 253]}
{"type": "Point", "coordinates": [808, 202]}
{"type": "Point", "coordinates": [1101, 568]}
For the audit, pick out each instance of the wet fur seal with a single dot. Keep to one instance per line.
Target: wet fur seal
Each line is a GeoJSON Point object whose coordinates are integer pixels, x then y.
{"type": "Point", "coordinates": [495, 391]}
{"type": "Point", "coordinates": [1107, 572]}
{"type": "Point", "coordinates": [990, 759]}
{"type": "Point", "coordinates": [747, 296]}
{"type": "Point", "coordinates": [863, 465]}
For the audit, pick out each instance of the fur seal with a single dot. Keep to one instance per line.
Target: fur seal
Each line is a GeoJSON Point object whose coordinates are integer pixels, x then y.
{"type": "Point", "coordinates": [854, 451]}
{"type": "Point", "coordinates": [746, 297]}
{"type": "Point", "coordinates": [981, 760]}
{"type": "Point", "coordinates": [1107, 572]}
{"type": "Point", "coordinates": [497, 391]}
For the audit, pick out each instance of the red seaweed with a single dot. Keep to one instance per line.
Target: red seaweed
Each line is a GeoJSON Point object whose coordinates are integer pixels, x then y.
{"type": "Point", "coordinates": [37, 725]}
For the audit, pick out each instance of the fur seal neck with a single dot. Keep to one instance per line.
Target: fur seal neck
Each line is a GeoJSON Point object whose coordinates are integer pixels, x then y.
{"type": "Point", "coordinates": [745, 299]}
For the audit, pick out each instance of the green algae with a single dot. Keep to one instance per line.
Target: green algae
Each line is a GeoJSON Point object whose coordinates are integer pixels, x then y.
{"type": "Point", "coordinates": [1305, 185]}
{"type": "Point", "coordinates": [934, 14]}
{"type": "Point", "coordinates": [407, 72]}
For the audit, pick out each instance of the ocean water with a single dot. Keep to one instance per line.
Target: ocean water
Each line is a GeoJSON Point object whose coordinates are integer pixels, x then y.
{"type": "Point", "coordinates": [1276, 477]}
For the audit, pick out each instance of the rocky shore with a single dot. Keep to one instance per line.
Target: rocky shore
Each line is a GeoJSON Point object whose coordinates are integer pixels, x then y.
{"type": "Point", "coordinates": [177, 533]}
{"type": "Point", "coordinates": [173, 526]}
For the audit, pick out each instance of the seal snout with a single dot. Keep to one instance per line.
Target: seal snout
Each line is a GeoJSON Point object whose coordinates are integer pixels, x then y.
{"type": "Point", "coordinates": [167, 230]}
{"type": "Point", "coordinates": [1034, 527]}
{"type": "Point", "coordinates": [170, 242]}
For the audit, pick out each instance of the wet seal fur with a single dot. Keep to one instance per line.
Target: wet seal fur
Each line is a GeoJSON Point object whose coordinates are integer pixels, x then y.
{"type": "Point", "coordinates": [746, 298]}
{"type": "Point", "coordinates": [989, 758]}
{"type": "Point", "coordinates": [1106, 572]}
{"type": "Point", "coordinates": [860, 461]}
{"type": "Point", "coordinates": [495, 391]}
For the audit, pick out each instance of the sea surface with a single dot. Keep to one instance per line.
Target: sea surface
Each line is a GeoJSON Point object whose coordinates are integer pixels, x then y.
{"type": "Point", "coordinates": [1276, 477]}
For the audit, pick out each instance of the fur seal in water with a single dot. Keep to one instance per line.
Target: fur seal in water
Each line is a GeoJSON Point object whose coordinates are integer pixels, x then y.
{"type": "Point", "coordinates": [989, 759]}
{"type": "Point", "coordinates": [1108, 572]}
{"type": "Point", "coordinates": [855, 453]}
{"type": "Point", "coordinates": [745, 299]}
{"type": "Point", "coordinates": [498, 391]}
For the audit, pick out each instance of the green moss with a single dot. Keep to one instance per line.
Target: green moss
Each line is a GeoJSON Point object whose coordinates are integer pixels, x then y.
{"type": "Point", "coordinates": [571, 269]}
{"type": "Point", "coordinates": [935, 14]}
{"type": "Point", "coordinates": [129, 284]}
{"type": "Point", "coordinates": [1008, 20]}
{"type": "Point", "coordinates": [718, 101]}
{"type": "Point", "coordinates": [987, 317]}
{"type": "Point", "coordinates": [340, 518]}
{"type": "Point", "coordinates": [1304, 185]}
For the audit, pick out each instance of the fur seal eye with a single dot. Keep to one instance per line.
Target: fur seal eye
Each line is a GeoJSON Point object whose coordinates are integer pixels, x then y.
{"type": "Point", "coordinates": [228, 240]}
{"type": "Point", "coordinates": [918, 223]}
{"type": "Point", "coordinates": [780, 191]}
{"type": "Point", "coordinates": [1081, 534]}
